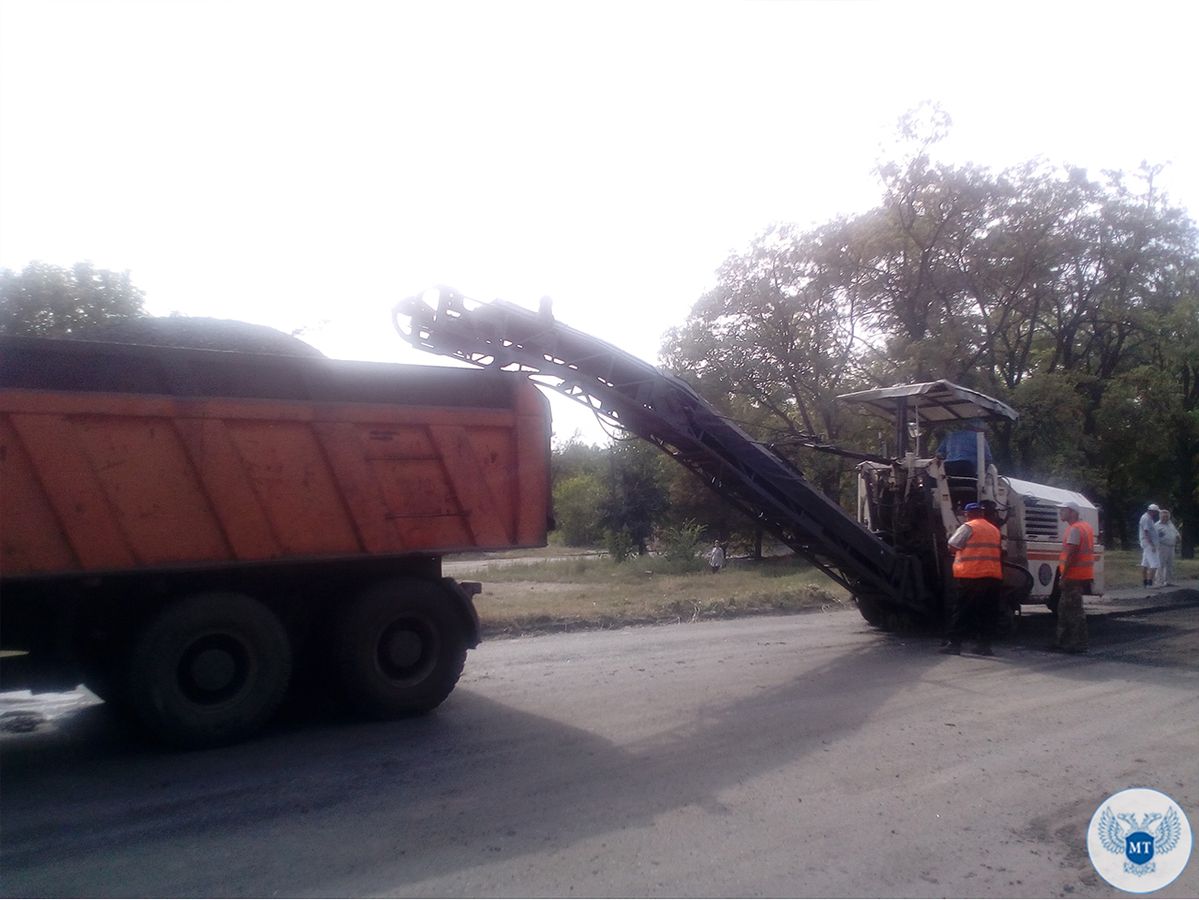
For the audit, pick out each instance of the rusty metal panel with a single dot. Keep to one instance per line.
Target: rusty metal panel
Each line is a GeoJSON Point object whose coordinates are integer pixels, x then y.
{"type": "Point", "coordinates": [343, 446]}
{"type": "Point", "coordinates": [102, 481]}
{"type": "Point", "coordinates": [31, 537]}
{"type": "Point", "coordinates": [462, 468]}
{"type": "Point", "coordinates": [531, 437]}
{"type": "Point", "coordinates": [495, 450]}
{"type": "Point", "coordinates": [157, 502]}
{"type": "Point", "coordinates": [290, 477]}
{"type": "Point", "coordinates": [220, 468]}
{"type": "Point", "coordinates": [81, 507]}
{"type": "Point", "coordinates": [532, 478]}
{"type": "Point", "coordinates": [409, 471]}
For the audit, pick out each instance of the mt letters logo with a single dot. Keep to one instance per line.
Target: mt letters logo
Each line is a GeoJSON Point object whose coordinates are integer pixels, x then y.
{"type": "Point", "coordinates": [1139, 840]}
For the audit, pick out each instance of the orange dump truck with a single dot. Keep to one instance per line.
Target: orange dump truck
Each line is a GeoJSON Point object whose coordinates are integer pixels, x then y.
{"type": "Point", "coordinates": [184, 530]}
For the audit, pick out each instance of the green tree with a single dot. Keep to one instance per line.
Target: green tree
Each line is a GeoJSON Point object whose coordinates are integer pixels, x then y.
{"type": "Point", "coordinates": [48, 301]}
{"type": "Point", "coordinates": [576, 500]}
{"type": "Point", "coordinates": [691, 500]}
{"type": "Point", "coordinates": [777, 339]}
{"type": "Point", "coordinates": [616, 495]}
{"type": "Point", "coordinates": [579, 474]}
{"type": "Point", "coordinates": [1166, 389]}
{"type": "Point", "coordinates": [680, 542]}
{"type": "Point", "coordinates": [1045, 443]}
{"type": "Point", "coordinates": [1073, 298]}
{"type": "Point", "coordinates": [637, 499]}
{"type": "Point", "coordinates": [576, 457]}
{"type": "Point", "coordinates": [1135, 459]}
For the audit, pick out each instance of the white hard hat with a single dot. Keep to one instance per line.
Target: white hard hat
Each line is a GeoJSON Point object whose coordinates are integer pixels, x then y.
{"type": "Point", "coordinates": [1153, 507]}
{"type": "Point", "coordinates": [1072, 504]}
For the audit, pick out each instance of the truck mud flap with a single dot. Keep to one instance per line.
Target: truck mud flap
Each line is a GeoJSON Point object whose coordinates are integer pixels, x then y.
{"type": "Point", "coordinates": [463, 593]}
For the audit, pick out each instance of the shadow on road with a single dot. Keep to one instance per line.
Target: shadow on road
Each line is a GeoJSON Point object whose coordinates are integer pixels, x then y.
{"type": "Point", "coordinates": [1159, 633]}
{"type": "Point", "coordinates": [322, 805]}
{"type": "Point", "coordinates": [330, 805]}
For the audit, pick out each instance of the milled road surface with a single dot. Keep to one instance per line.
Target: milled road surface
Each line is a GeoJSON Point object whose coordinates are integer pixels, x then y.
{"type": "Point", "coordinates": [794, 756]}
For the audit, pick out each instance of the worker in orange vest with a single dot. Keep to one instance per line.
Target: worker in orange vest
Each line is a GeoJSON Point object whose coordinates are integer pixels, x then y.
{"type": "Point", "coordinates": [1077, 567]}
{"type": "Point", "coordinates": [978, 576]}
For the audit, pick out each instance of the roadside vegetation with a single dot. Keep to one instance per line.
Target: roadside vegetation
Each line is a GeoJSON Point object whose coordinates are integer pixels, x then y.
{"type": "Point", "coordinates": [574, 589]}
{"type": "Point", "coordinates": [1122, 569]}
{"type": "Point", "coordinates": [590, 592]}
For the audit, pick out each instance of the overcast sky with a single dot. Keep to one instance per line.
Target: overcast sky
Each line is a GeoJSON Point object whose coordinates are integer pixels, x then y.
{"type": "Point", "coordinates": [306, 164]}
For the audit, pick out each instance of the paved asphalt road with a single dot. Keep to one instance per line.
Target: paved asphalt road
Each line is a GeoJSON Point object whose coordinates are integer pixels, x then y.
{"type": "Point", "coordinates": [794, 756]}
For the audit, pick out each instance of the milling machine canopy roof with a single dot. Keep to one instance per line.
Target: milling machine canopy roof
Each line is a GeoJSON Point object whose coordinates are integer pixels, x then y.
{"type": "Point", "coordinates": [937, 402]}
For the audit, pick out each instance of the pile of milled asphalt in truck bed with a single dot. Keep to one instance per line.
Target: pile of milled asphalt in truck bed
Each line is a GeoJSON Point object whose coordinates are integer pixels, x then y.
{"type": "Point", "coordinates": [199, 333]}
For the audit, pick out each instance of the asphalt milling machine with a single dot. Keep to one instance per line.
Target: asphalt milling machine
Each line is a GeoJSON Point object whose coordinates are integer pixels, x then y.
{"type": "Point", "coordinates": [892, 556]}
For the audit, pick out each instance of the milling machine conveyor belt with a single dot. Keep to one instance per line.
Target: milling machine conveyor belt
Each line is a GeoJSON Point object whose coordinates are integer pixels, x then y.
{"type": "Point", "coordinates": [660, 408]}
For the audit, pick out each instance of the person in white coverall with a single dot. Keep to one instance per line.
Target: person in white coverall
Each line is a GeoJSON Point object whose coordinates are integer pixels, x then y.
{"type": "Point", "coordinates": [1147, 534]}
{"type": "Point", "coordinates": [1168, 537]}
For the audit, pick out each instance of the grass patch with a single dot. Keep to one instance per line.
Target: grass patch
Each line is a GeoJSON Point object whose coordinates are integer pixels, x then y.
{"type": "Point", "coordinates": [593, 592]}
{"type": "Point", "coordinates": [588, 591]}
{"type": "Point", "coordinates": [1122, 569]}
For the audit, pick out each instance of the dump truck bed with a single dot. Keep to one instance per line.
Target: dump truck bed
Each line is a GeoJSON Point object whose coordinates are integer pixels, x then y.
{"type": "Point", "coordinates": [118, 457]}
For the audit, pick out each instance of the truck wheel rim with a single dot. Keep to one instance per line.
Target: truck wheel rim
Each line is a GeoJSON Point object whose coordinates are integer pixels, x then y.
{"type": "Point", "coordinates": [213, 669]}
{"type": "Point", "coordinates": [407, 650]}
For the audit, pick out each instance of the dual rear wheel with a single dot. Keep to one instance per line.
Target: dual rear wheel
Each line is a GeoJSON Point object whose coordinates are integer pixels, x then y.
{"type": "Point", "coordinates": [212, 668]}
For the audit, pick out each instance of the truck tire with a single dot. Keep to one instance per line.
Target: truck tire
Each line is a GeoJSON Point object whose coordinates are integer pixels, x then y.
{"type": "Point", "coordinates": [209, 669]}
{"type": "Point", "coordinates": [400, 648]}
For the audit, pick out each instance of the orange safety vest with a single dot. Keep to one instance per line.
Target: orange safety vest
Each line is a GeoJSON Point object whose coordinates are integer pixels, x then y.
{"type": "Point", "coordinates": [980, 558]}
{"type": "Point", "coordinates": [1084, 563]}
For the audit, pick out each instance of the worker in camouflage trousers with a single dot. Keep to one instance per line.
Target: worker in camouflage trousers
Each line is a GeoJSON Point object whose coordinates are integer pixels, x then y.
{"type": "Point", "coordinates": [1077, 569]}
